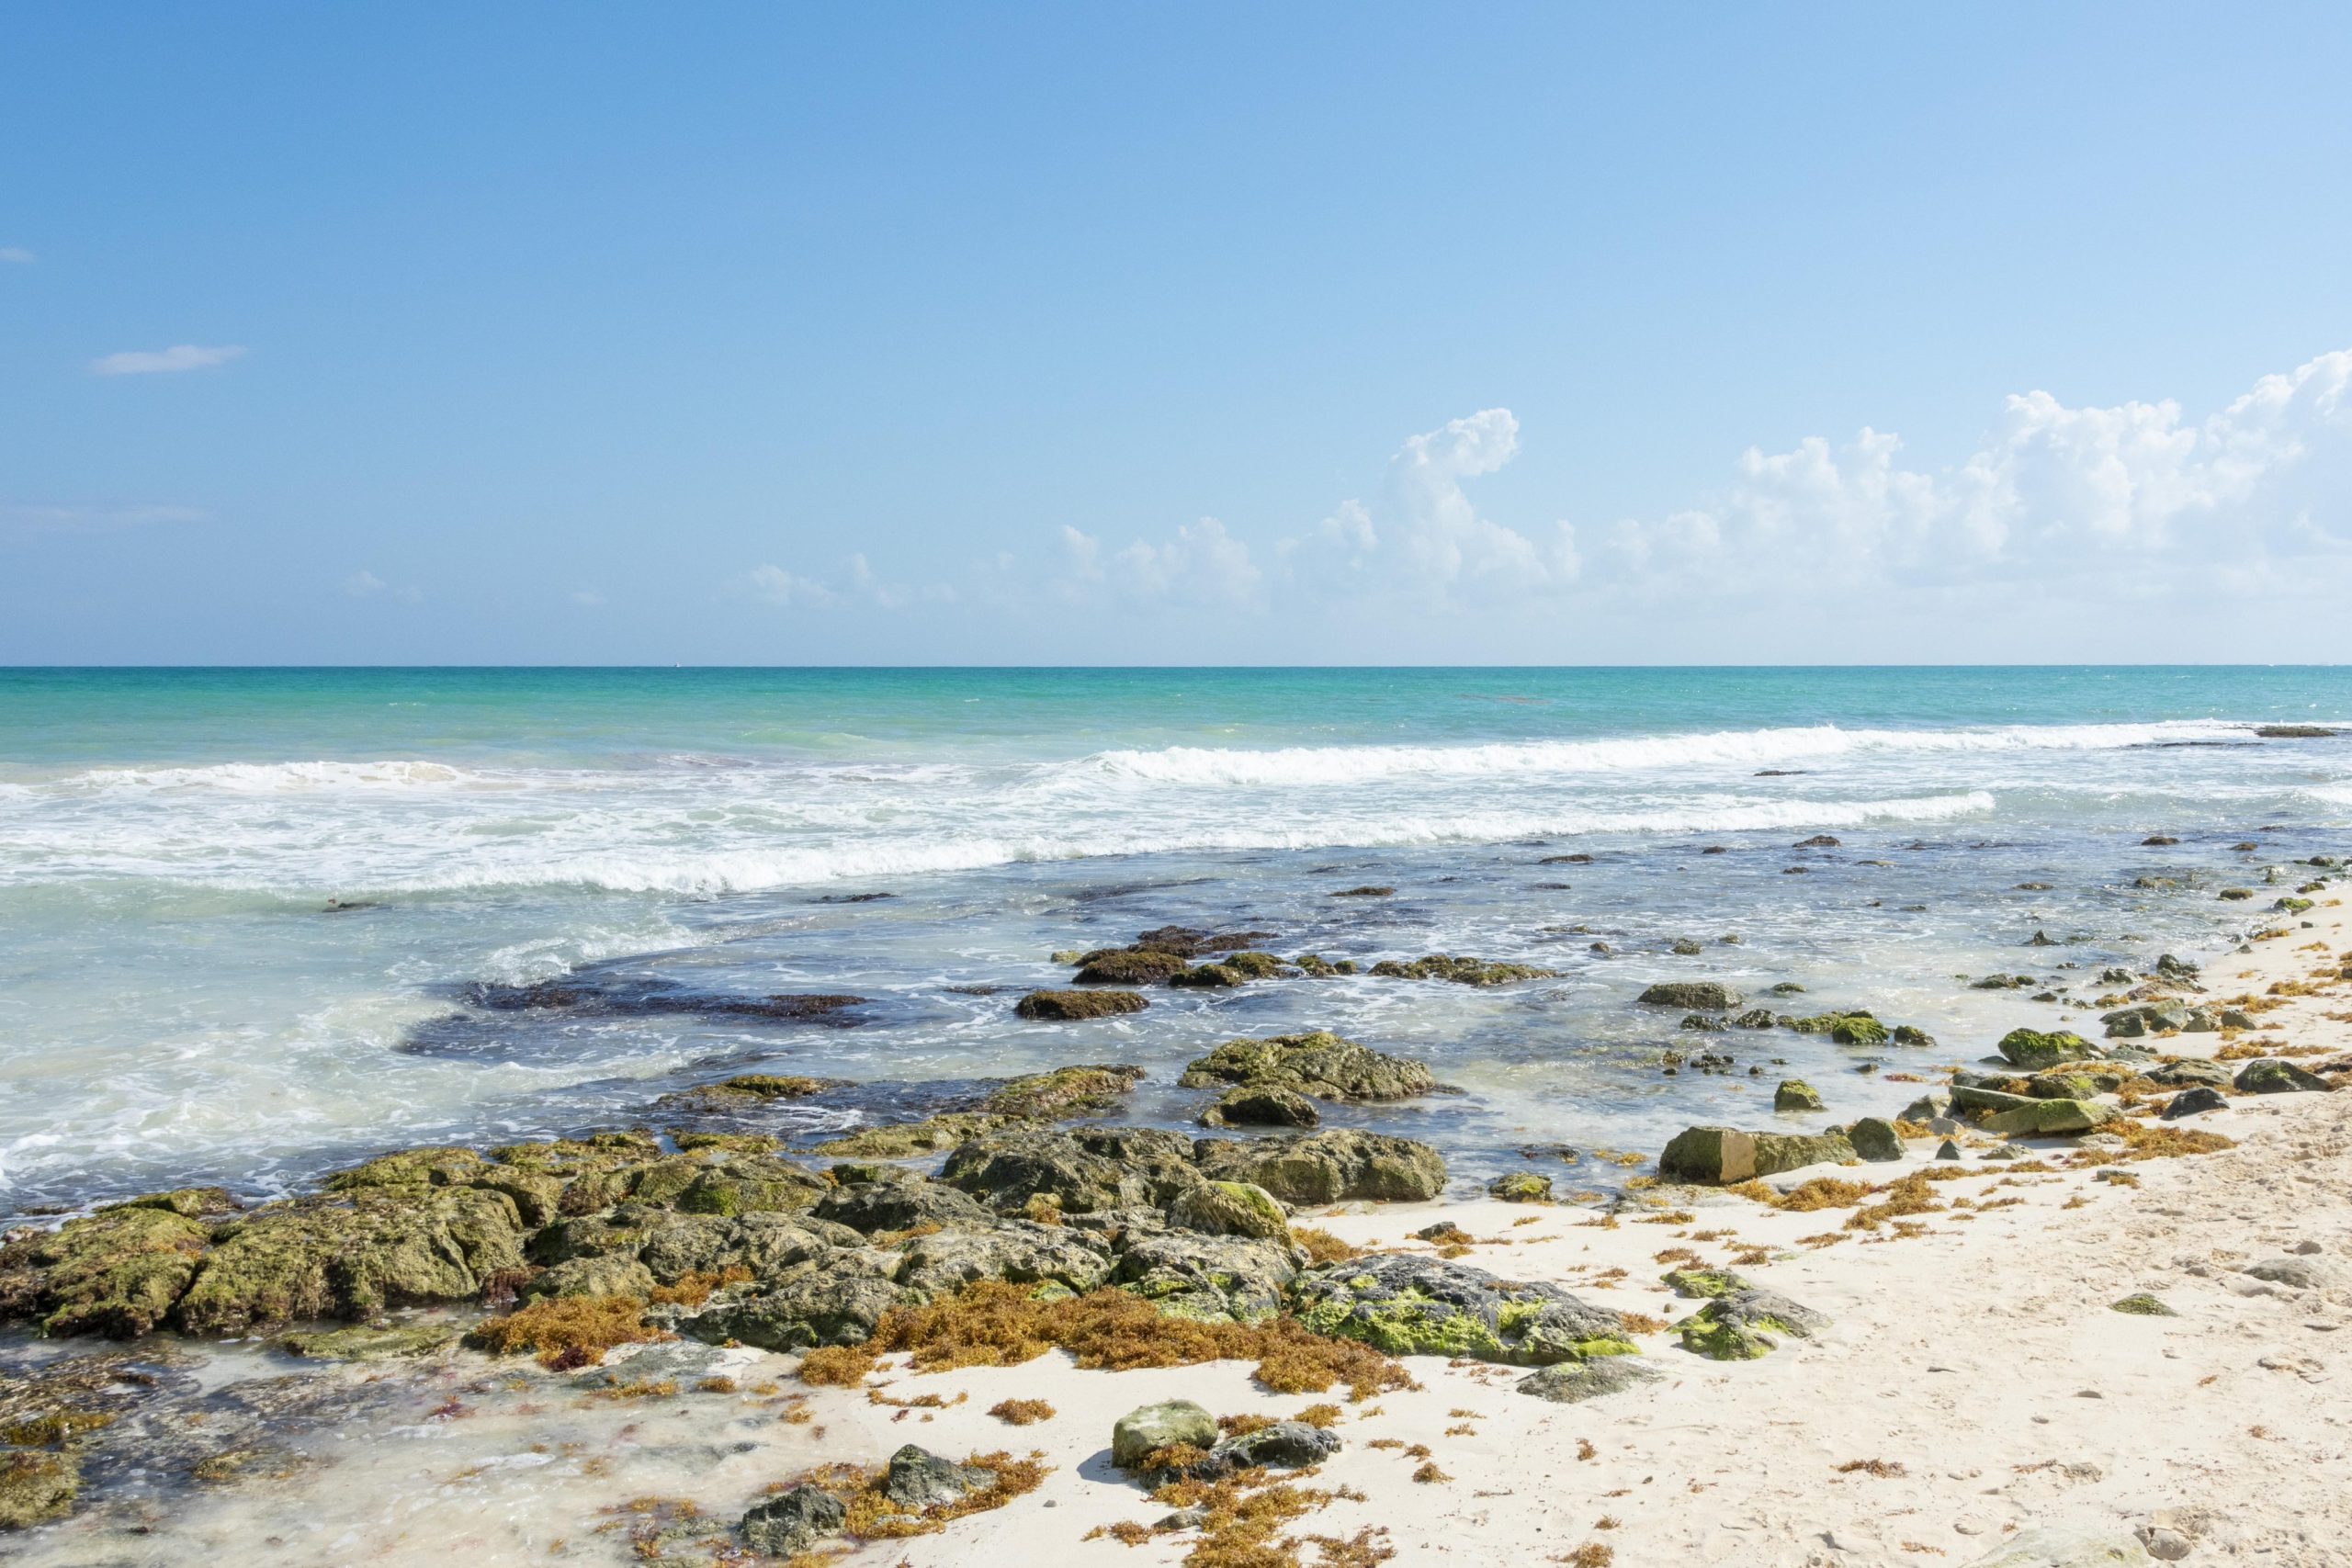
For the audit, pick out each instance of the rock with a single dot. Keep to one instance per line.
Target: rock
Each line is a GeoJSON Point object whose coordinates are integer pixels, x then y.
{"type": "Point", "coordinates": [1020, 1252]}
{"type": "Point", "coordinates": [1818, 842]}
{"type": "Point", "coordinates": [1723, 1157]}
{"type": "Point", "coordinates": [1702, 1284]}
{"type": "Point", "coordinates": [2049, 1117]}
{"type": "Point", "coordinates": [1162, 1425]}
{"type": "Point", "coordinates": [1212, 1278]}
{"type": "Point", "coordinates": [1285, 1445]}
{"type": "Point", "coordinates": [1462, 971]}
{"type": "Point", "coordinates": [2190, 1072]}
{"type": "Point", "coordinates": [1928, 1107]}
{"type": "Point", "coordinates": [2269, 1076]}
{"type": "Point", "coordinates": [1705, 996]}
{"type": "Point", "coordinates": [1947, 1150]}
{"type": "Point", "coordinates": [1706, 1022]}
{"type": "Point", "coordinates": [2301, 1273]}
{"type": "Point", "coordinates": [1319, 1063]}
{"type": "Point", "coordinates": [916, 1479]}
{"type": "Point", "coordinates": [117, 1272]}
{"type": "Point", "coordinates": [1410, 1306]}
{"type": "Point", "coordinates": [1328, 1166]}
{"type": "Point", "coordinates": [1521, 1186]}
{"type": "Point", "coordinates": [2193, 1102]}
{"type": "Point", "coordinates": [1970, 1097]}
{"type": "Point", "coordinates": [611, 1275]}
{"type": "Point", "coordinates": [362, 1342]}
{"type": "Point", "coordinates": [1262, 1107]}
{"type": "Point", "coordinates": [1130, 966]}
{"type": "Point", "coordinates": [1229, 1208]}
{"type": "Point", "coordinates": [37, 1487]}
{"type": "Point", "coordinates": [1081, 1170]}
{"type": "Point", "coordinates": [899, 1203]}
{"type": "Point", "coordinates": [826, 1305]}
{"type": "Point", "coordinates": [2294, 732]}
{"type": "Point", "coordinates": [1795, 1094]}
{"type": "Point", "coordinates": [2063, 1549]}
{"type": "Point", "coordinates": [1683, 947]}
{"type": "Point", "coordinates": [2032, 1049]}
{"type": "Point", "coordinates": [2078, 1082]}
{"type": "Point", "coordinates": [1875, 1140]}
{"type": "Point", "coordinates": [2164, 1545]}
{"type": "Point", "coordinates": [790, 1522]}
{"type": "Point", "coordinates": [1754, 1017]}
{"type": "Point", "coordinates": [1079, 1004]}
{"type": "Point", "coordinates": [1572, 1383]}
{"type": "Point", "coordinates": [1740, 1325]}
{"type": "Point", "coordinates": [2141, 1304]}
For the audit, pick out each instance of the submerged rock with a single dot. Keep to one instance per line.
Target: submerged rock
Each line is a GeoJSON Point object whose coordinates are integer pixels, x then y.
{"type": "Point", "coordinates": [1319, 1063]}
{"type": "Point", "coordinates": [1706, 996]}
{"type": "Point", "coordinates": [1262, 1107]}
{"type": "Point", "coordinates": [366, 1342]}
{"type": "Point", "coordinates": [1461, 971]}
{"type": "Point", "coordinates": [1129, 966]}
{"type": "Point", "coordinates": [1067, 1005]}
{"type": "Point", "coordinates": [1413, 1305]}
{"type": "Point", "coordinates": [36, 1488]}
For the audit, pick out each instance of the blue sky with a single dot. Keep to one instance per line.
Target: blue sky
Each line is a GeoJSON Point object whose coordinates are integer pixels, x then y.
{"type": "Point", "coordinates": [1105, 335]}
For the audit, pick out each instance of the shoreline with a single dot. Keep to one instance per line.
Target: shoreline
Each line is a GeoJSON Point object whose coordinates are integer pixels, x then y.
{"type": "Point", "coordinates": [1982, 1361]}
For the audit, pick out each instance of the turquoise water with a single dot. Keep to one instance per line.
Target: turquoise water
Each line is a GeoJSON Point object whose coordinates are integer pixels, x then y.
{"type": "Point", "coordinates": [179, 1000]}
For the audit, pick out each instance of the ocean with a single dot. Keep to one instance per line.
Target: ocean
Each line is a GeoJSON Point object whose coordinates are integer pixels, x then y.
{"type": "Point", "coordinates": [247, 916]}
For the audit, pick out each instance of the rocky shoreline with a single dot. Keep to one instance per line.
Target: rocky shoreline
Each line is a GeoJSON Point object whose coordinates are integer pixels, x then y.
{"type": "Point", "coordinates": [735, 1284]}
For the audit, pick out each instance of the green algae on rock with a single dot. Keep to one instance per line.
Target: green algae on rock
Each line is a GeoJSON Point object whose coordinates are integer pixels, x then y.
{"type": "Point", "coordinates": [368, 1342]}
{"type": "Point", "coordinates": [1521, 1186]}
{"type": "Point", "coordinates": [1461, 971]}
{"type": "Point", "coordinates": [1328, 1167]}
{"type": "Point", "coordinates": [1065, 1005]}
{"type": "Point", "coordinates": [36, 1488]}
{"type": "Point", "coordinates": [1707, 996]}
{"type": "Point", "coordinates": [1408, 1305]}
{"type": "Point", "coordinates": [1724, 1157]}
{"type": "Point", "coordinates": [1260, 1106]}
{"type": "Point", "coordinates": [2142, 1304]}
{"type": "Point", "coordinates": [1741, 1325]}
{"type": "Point", "coordinates": [2034, 1049]}
{"type": "Point", "coordinates": [1795, 1094]}
{"type": "Point", "coordinates": [1319, 1063]}
{"type": "Point", "coordinates": [1229, 1208]}
{"type": "Point", "coordinates": [1573, 1382]}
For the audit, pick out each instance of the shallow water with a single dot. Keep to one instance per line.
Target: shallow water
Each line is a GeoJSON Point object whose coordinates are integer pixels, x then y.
{"type": "Point", "coordinates": [180, 1002]}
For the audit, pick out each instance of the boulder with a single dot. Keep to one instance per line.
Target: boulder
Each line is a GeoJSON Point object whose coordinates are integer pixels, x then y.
{"type": "Point", "coordinates": [2193, 1102]}
{"type": "Point", "coordinates": [1328, 1166]}
{"type": "Point", "coordinates": [1521, 1186]}
{"type": "Point", "coordinates": [117, 1272]}
{"type": "Point", "coordinates": [1413, 1305]}
{"type": "Point", "coordinates": [1285, 1445]}
{"type": "Point", "coordinates": [1706, 996]}
{"type": "Point", "coordinates": [1020, 1252]}
{"type": "Point", "coordinates": [1573, 1382]}
{"type": "Point", "coordinates": [835, 1302]}
{"type": "Point", "coordinates": [1969, 1097]}
{"type": "Point", "coordinates": [1083, 1169]}
{"type": "Point", "coordinates": [1129, 966]}
{"type": "Point", "coordinates": [901, 1202]}
{"type": "Point", "coordinates": [1795, 1094]}
{"type": "Point", "coordinates": [1722, 1157]}
{"type": "Point", "coordinates": [1741, 1326]}
{"type": "Point", "coordinates": [1068, 1005]}
{"type": "Point", "coordinates": [1262, 1107]}
{"type": "Point", "coordinates": [1462, 971]}
{"type": "Point", "coordinates": [1137, 1433]}
{"type": "Point", "coordinates": [608, 1275]}
{"type": "Point", "coordinates": [2033, 1049]}
{"type": "Point", "coordinates": [2049, 1116]}
{"type": "Point", "coordinates": [792, 1521]}
{"type": "Point", "coordinates": [1211, 1278]}
{"type": "Point", "coordinates": [1229, 1208]}
{"type": "Point", "coordinates": [2270, 1076]}
{"type": "Point", "coordinates": [1318, 1063]}
{"type": "Point", "coordinates": [916, 1479]}
{"type": "Point", "coordinates": [1875, 1140]}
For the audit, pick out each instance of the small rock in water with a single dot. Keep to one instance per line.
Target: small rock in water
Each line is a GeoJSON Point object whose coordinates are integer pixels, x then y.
{"type": "Point", "coordinates": [1795, 1094]}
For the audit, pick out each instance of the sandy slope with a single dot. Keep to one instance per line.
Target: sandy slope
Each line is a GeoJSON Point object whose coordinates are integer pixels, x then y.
{"type": "Point", "coordinates": [1981, 1357]}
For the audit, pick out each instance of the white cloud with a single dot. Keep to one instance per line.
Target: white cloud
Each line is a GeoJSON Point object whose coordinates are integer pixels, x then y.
{"type": "Point", "coordinates": [158, 362]}
{"type": "Point", "coordinates": [17, 256]}
{"type": "Point", "coordinates": [365, 585]}
{"type": "Point", "coordinates": [587, 598]}
{"type": "Point", "coordinates": [94, 519]}
{"type": "Point", "coordinates": [778, 586]}
{"type": "Point", "coordinates": [1203, 564]}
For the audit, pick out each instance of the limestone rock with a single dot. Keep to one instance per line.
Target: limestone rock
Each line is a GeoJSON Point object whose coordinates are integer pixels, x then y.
{"type": "Point", "coordinates": [1162, 1425]}
{"type": "Point", "coordinates": [1572, 1383]}
{"type": "Point", "coordinates": [1706, 996]}
{"type": "Point", "coordinates": [1262, 1107]}
{"type": "Point", "coordinates": [792, 1521]}
{"type": "Point", "coordinates": [1413, 1305]}
{"type": "Point", "coordinates": [1328, 1166]}
{"type": "Point", "coordinates": [1318, 1063]}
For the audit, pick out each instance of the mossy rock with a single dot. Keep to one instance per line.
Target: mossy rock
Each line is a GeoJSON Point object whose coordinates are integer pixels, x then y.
{"type": "Point", "coordinates": [351, 1255]}
{"type": "Point", "coordinates": [1875, 1139]}
{"type": "Point", "coordinates": [117, 1272]}
{"type": "Point", "coordinates": [1069, 1006]}
{"type": "Point", "coordinates": [1260, 1106]}
{"type": "Point", "coordinates": [1328, 1166]}
{"type": "Point", "coordinates": [2034, 1049]}
{"type": "Point", "coordinates": [1063, 1092]}
{"type": "Point", "coordinates": [1322, 968]}
{"type": "Point", "coordinates": [2271, 1077]}
{"type": "Point", "coordinates": [1129, 966]}
{"type": "Point", "coordinates": [905, 1140]}
{"type": "Point", "coordinates": [1795, 1094]}
{"type": "Point", "coordinates": [368, 1342]}
{"type": "Point", "coordinates": [1704, 1284]}
{"type": "Point", "coordinates": [1137, 1433]}
{"type": "Point", "coordinates": [1229, 1208]}
{"type": "Point", "coordinates": [2049, 1117]}
{"type": "Point", "coordinates": [1321, 1064]}
{"type": "Point", "coordinates": [1459, 970]}
{"type": "Point", "coordinates": [37, 1488]}
{"type": "Point", "coordinates": [1747, 1324]}
{"type": "Point", "coordinates": [1521, 1186]}
{"type": "Point", "coordinates": [1418, 1306]}
{"type": "Point", "coordinates": [2141, 1304]}
{"type": "Point", "coordinates": [1705, 996]}
{"type": "Point", "coordinates": [1573, 1382]}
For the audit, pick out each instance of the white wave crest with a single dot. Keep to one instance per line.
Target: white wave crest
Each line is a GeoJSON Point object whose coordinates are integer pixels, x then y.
{"type": "Point", "coordinates": [752, 870]}
{"type": "Point", "coordinates": [265, 778]}
{"type": "Point", "coordinates": [1738, 747]}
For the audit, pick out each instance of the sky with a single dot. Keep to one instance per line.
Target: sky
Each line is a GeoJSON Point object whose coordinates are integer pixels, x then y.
{"type": "Point", "coordinates": [1300, 334]}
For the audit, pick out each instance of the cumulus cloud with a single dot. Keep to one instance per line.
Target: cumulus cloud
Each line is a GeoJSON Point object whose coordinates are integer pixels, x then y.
{"type": "Point", "coordinates": [16, 255]}
{"type": "Point", "coordinates": [1202, 564]}
{"type": "Point", "coordinates": [162, 362]}
{"type": "Point", "coordinates": [778, 586]}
